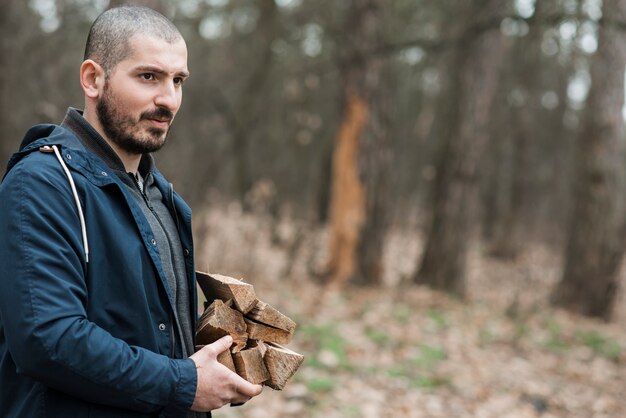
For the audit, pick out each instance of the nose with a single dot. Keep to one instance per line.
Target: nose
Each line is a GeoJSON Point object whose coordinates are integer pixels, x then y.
{"type": "Point", "coordinates": [168, 97]}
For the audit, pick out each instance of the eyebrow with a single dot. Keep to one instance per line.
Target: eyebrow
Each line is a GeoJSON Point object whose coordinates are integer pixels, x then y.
{"type": "Point", "coordinates": [158, 70]}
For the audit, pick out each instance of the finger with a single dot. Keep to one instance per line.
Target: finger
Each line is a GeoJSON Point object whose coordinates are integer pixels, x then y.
{"type": "Point", "coordinates": [248, 389]}
{"type": "Point", "coordinates": [239, 400]}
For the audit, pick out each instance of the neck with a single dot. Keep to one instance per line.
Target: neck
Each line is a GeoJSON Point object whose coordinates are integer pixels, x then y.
{"type": "Point", "coordinates": [130, 161]}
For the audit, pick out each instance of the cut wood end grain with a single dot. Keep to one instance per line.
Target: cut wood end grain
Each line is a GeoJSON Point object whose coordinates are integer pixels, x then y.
{"type": "Point", "coordinates": [217, 321]}
{"type": "Point", "coordinates": [258, 331]}
{"type": "Point", "coordinates": [250, 365]}
{"type": "Point", "coordinates": [217, 286]}
{"type": "Point", "coordinates": [267, 314]}
{"type": "Point", "coordinates": [226, 358]}
{"type": "Point", "coordinates": [281, 364]}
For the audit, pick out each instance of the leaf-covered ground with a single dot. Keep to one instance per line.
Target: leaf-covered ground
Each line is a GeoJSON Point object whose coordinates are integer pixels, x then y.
{"type": "Point", "coordinates": [405, 351]}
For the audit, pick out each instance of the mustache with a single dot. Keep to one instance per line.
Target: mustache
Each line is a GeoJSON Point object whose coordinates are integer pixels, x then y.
{"type": "Point", "coordinates": [158, 113]}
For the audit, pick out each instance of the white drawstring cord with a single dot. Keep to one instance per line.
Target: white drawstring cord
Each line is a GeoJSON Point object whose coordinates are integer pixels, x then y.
{"type": "Point", "coordinates": [75, 193]}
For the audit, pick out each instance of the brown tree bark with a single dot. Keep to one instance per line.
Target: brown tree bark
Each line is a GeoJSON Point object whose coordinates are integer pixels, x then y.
{"type": "Point", "coordinates": [596, 234]}
{"type": "Point", "coordinates": [362, 155]}
{"type": "Point", "coordinates": [456, 194]}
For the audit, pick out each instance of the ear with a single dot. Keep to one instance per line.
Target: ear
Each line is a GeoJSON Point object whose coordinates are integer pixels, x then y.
{"type": "Point", "coordinates": [92, 78]}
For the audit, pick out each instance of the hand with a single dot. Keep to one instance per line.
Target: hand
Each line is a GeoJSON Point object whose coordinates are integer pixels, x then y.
{"type": "Point", "coordinates": [218, 385]}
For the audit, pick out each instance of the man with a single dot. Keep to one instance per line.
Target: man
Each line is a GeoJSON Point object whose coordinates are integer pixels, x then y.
{"type": "Point", "coordinates": [97, 282]}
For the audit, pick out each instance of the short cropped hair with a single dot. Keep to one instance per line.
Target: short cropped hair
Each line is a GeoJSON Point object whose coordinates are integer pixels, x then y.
{"type": "Point", "coordinates": [107, 43]}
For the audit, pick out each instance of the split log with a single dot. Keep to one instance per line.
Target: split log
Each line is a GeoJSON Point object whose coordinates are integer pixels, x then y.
{"type": "Point", "coordinates": [219, 320]}
{"type": "Point", "coordinates": [258, 331]}
{"type": "Point", "coordinates": [268, 315]}
{"type": "Point", "coordinates": [250, 365]}
{"type": "Point", "coordinates": [217, 286]}
{"type": "Point", "coordinates": [281, 363]}
{"type": "Point", "coordinates": [226, 358]}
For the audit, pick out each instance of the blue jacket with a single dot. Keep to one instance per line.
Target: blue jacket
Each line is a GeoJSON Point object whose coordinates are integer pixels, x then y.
{"type": "Point", "coordinates": [78, 338]}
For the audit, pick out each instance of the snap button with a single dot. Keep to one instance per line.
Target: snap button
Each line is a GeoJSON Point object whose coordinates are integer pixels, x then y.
{"type": "Point", "coordinates": [104, 173]}
{"type": "Point", "coordinates": [153, 241]}
{"type": "Point", "coordinates": [162, 327]}
{"type": "Point", "coordinates": [69, 157]}
{"type": "Point", "coordinates": [186, 252]}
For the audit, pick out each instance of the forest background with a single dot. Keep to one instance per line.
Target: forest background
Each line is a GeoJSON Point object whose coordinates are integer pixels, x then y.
{"type": "Point", "coordinates": [433, 189]}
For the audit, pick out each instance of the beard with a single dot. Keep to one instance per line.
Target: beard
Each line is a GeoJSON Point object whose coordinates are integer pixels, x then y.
{"type": "Point", "coordinates": [124, 130]}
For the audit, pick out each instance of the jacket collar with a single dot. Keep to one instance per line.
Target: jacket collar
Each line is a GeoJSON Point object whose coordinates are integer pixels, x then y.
{"type": "Point", "coordinates": [95, 143]}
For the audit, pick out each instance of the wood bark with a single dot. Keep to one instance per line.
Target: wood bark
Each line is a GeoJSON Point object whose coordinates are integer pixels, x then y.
{"type": "Point", "coordinates": [347, 202]}
{"type": "Point", "coordinates": [455, 208]}
{"type": "Point", "coordinates": [362, 155]}
{"type": "Point", "coordinates": [596, 234]}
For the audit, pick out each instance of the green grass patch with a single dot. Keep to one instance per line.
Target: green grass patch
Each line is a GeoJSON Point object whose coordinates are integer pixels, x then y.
{"type": "Point", "coordinates": [430, 357]}
{"type": "Point", "coordinates": [325, 337]}
{"type": "Point", "coordinates": [350, 410]}
{"type": "Point", "coordinates": [420, 371]}
{"type": "Point", "coordinates": [429, 382]}
{"type": "Point", "coordinates": [402, 313]}
{"type": "Point", "coordinates": [378, 336]}
{"type": "Point", "coordinates": [320, 385]}
{"type": "Point", "coordinates": [398, 371]}
{"type": "Point", "coordinates": [600, 345]}
{"type": "Point", "coordinates": [556, 340]}
{"type": "Point", "coordinates": [519, 331]}
{"type": "Point", "coordinates": [485, 336]}
{"type": "Point", "coordinates": [438, 319]}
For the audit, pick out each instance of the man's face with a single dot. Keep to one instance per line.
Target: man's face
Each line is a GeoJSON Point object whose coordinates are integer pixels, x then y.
{"type": "Point", "coordinates": [143, 93]}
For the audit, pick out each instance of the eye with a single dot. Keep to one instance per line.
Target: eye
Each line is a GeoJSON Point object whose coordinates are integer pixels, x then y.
{"type": "Point", "coordinates": [179, 81]}
{"type": "Point", "coordinates": [147, 76]}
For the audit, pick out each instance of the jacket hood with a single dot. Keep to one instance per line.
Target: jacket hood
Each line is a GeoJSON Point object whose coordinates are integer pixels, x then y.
{"type": "Point", "coordinates": [40, 135]}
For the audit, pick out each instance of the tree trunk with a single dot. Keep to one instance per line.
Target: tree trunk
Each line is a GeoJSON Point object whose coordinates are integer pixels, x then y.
{"type": "Point", "coordinates": [456, 193]}
{"type": "Point", "coordinates": [248, 107]}
{"type": "Point", "coordinates": [513, 231]}
{"type": "Point", "coordinates": [362, 155]}
{"type": "Point", "coordinates": [596, 233]}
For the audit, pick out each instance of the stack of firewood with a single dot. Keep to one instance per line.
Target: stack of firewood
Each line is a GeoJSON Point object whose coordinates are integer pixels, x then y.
{"type": "Point", "coordinates": [258, 331]}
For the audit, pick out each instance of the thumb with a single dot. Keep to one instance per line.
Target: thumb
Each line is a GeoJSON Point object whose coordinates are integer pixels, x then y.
{"type": "Point", "coordinates": [221, 345]}
{"type": "Point", "coordinates": [205, 353]}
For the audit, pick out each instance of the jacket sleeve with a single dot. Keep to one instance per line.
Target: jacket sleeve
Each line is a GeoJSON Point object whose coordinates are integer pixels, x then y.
{"type": "Point", "coordinates": [43, 293]}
